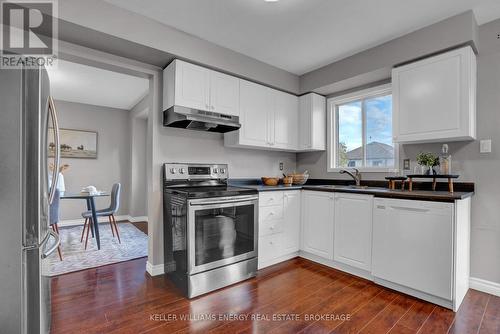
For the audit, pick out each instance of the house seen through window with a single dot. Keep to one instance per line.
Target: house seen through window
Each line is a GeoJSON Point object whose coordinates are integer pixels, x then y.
{"type": "Point", "coordinates": [362, 131]}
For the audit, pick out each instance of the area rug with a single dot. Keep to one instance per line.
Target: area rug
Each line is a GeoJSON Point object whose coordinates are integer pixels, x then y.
{"type": "Point", "coordinates": [134, 245]}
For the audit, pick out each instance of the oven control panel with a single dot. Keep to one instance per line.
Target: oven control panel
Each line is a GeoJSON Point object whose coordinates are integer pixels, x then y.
{"type": "Point", "coordinates": [180, 171]}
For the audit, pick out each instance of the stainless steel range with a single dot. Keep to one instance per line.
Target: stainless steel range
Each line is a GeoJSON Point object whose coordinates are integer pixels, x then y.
{"type": "Point", "coordinates": [210, 228]}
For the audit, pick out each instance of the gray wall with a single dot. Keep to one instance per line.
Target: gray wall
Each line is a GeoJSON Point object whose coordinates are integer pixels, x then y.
{"type": "Point", "coordinates": [113, 154]}
{"type": "Point", "coordinates": [375, 64]}
{"type": "Point", "coordinates": [467, 161]}
{"type": "Point", "coordinates": [138, 180]}
{"type": "Point", "coordinates": [138, 177]}
{"type": "Point", "coordinates": [178, 145]}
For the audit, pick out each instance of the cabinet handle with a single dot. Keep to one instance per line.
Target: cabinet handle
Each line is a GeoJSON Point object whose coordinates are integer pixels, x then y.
{"type": "Point", "coordinates": [271, 213]}
{"type": "Point", "coordinates": [271, 228]}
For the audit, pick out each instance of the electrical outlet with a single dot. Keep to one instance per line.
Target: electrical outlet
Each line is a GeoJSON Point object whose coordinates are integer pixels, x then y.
{"type": "Point", "coordinates": [498, 36]}
{"type": "Point", "coordinates": [406, 164]}
{"type": "Point", "coordinates": [281, 166]}
{"type": "Point", "coordinates": [485, 146]}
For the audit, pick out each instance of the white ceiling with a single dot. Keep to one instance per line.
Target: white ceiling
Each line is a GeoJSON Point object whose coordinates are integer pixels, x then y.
{"type": "Point", "coordinates": [302, 35]}
{"type": "Point", "coordinates": [91, 85]}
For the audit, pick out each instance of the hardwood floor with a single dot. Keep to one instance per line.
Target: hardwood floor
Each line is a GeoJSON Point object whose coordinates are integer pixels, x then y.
{"type": "Point", "coordinates": [307, 298]}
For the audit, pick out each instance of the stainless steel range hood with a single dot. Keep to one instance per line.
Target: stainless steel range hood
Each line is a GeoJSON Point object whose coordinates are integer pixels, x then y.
{"type": "Point", "coordinates": [193, 119]}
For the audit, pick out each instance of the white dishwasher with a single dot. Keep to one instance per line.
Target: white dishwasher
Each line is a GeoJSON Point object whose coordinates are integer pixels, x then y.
{"type": "Point", "coordinates": [413, 244]}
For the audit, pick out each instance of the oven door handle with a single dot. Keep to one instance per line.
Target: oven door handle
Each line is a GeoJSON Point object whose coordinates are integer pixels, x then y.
{"type": "Point", "coordinates": [222, 200]}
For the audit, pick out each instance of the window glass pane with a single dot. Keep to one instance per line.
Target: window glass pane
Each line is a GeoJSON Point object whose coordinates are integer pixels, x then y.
{"type": "Point", "coordinates": [379, 145]}
{"type": "Point", "coordinates": [350, 132]}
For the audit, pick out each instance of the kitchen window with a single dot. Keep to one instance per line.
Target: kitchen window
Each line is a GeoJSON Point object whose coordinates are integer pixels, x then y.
{"type": "Point", "coordinates": [360, 131]}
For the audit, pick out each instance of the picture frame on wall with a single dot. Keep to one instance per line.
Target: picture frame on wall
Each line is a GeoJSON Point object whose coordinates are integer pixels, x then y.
{"type": "Point", "coordinates": [78, 144]}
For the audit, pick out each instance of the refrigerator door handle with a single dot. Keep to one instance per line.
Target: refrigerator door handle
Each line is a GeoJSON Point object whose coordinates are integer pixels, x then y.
{"type": "Point", "coordinates": [57, 153]}
{"type": "Point", "coordinates": [56, 244]}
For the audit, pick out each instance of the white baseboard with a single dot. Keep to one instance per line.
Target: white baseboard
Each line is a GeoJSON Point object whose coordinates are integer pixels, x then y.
{"type": "Point", "coordinates": [76, 222]}
{"type": "Point", "coordinates": [484, 286]}
{"type": "Point", "coordinates": [138, 219]}
{"type": "Point", "coordinates": [155, 270]}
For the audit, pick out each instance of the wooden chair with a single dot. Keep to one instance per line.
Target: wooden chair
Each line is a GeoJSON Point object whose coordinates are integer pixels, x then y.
{"type": "Point", "coordinates": [109, 212]}
{"type": "Point", "coordinates": [54, 217]}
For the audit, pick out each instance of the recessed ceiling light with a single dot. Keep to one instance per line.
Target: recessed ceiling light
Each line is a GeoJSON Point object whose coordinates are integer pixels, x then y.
{"type": "Point", "coordinates": [271, 0]}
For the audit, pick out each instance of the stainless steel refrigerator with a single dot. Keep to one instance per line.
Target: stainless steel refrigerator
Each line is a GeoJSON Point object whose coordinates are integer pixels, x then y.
{"type": "Point", "coordinates": [26, 113]}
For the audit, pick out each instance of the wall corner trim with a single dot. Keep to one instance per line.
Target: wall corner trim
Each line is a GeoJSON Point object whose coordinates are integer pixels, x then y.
{"type": "Point", "coordinates": [484, 286]}
{"type": "Point", "coordinates": [155, 269]}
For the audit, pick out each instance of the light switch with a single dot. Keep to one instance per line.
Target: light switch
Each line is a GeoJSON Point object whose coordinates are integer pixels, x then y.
{"type": "Point", "coordinates": [485, 146]}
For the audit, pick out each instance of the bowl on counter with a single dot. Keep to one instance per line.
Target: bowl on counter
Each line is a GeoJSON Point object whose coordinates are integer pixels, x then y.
{"type": "Point", "coordinates": [287, 180]}
{"type": "Point", "coordinates": [299, 179]}
{"type": "Point", "coordinates": [270, 181]}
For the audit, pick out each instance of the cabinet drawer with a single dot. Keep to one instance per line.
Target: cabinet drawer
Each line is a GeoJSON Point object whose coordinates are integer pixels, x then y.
{"type": "Point", "coordinates": [268, 227]}
{"type": "Point", "coordinates": [268, 213]}
{"type": "Point", "coordinates": [271, 198]}
{"type": "Point", "coordinates": [269, 247]}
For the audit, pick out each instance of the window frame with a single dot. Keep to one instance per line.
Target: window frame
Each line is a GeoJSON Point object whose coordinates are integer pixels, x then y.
{"type": "Point", "coordinates": [332, 128]}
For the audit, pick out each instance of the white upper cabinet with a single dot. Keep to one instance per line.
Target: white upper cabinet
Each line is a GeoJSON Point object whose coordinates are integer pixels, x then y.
{"type": "Point", "coordinates": [353, 230]}
{"type": "Point", "coordinates": [268, 119]}
{"type": "Point", "coordinates": [285, 120]}
{"type": "Point", "coordinates": [312, 122]}
{"type": "Point", "coordinates": [224, 94]}
{"type": "Point", "coordinates": [196, 87]}
{"type": "Point", "coordinates": [318, 223]}
{"type": "Point", "coordinates": [434, 99]}
{"type": "Point", "coordinates": [255, 104]}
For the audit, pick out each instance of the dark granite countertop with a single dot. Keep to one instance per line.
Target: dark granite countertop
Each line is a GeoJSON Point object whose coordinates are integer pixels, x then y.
{"type": "Point", "coordinates": [425, 195]}
{"type": "Point", "coordinates": [375, 188]}
{"type": "Point", "coordinates": [261, 187]}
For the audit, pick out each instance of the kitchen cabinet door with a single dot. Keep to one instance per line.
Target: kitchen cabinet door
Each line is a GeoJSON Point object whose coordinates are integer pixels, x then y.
{"type": "Point", "coordinates": [318, 223]}
{"type": "Point", "coordinates": [413, 245]}
{"type": "Point", "coordinates": [224, 94]}
{"type": "Point", "coordinates": [256, 123]}
{"type": "Point", "coordinates": [285, 120]}
{"type": "Point", "coordinates": [434, 99]}
{"type": "Point", "coordinates": [291, 225]}
{"type": "Point", "coordinates": [353, 230]}
{"type": "Point", "coordinates": [312, 122]}
{"type": "Point", "coordinates": [192, 86]}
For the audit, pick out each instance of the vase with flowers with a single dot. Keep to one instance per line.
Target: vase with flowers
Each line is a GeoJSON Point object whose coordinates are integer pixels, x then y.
{"type": "Point", "coordinates": [428, 161]}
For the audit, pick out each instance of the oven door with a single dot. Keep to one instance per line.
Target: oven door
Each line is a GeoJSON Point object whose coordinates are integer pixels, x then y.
{"type": "Point", "coordinates": [221, 231]}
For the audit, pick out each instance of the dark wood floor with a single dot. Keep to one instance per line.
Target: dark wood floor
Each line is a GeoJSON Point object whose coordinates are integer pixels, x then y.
{"type": "Point", "coordinates": [122, 298]}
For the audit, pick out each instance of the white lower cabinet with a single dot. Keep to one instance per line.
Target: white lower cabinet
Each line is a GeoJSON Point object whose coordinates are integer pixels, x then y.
{"type": "Point", "coordinates": [279, 226]}
{"type": "Point", "coordinates": [413, 245]}
{"type": "Point", "coordinates": [318, 223]}
{"type": "Point", "coordinates": [353, 230]}
{"type": "Point", "coordinates": [291, 226]}
{"type": "Point", "coordinates": [417, 247]}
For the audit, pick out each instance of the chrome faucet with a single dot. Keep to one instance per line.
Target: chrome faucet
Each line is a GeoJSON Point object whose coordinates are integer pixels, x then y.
{"type": "Point", "coordinates": [356, 176]}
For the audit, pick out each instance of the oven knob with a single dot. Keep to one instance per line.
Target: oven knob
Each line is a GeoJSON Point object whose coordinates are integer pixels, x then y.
{"type": "Point", "coordinates": [173, 170]}
{"type": "Point", "coordinates": [182, 170]}
{"type": "Point", "coordinates": [222, 171]}
{"type": "Point", "coordinates": [215, 171]}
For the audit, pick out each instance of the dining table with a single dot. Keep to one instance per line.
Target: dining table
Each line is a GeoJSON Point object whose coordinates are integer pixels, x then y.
{"type": "Point", "coordinates": [90, 200]}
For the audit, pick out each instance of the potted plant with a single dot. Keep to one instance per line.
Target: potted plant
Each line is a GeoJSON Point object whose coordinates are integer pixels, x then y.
{"type": "Point", "coordinates": [428, 161]}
